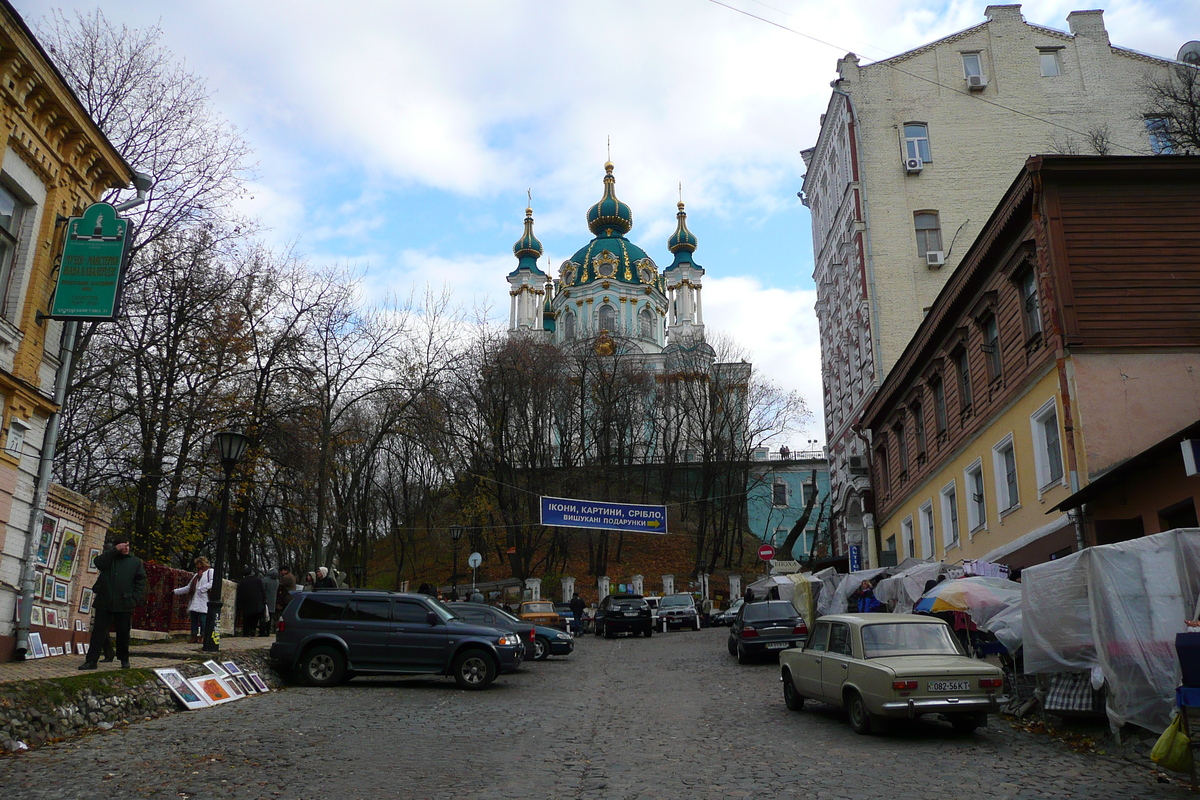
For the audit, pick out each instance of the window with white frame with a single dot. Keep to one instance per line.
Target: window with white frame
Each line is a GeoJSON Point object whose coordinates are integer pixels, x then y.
{"type": "Point", "coordinates": [906, 534]}
{"type": "Point", "coordinates": [976, 499]}
{"type": "Point", "coordinates": [1051, 67]}
{"type": "Point", "coordinates": [929, 232]}
{"type": "Point", "coordinates": [608, 318]}
{"type": "Point", "coordinates": [646, 323]}
{"type": "Point", "coordinates": [925, 513]}
{"type": "Point", "coordinates": [972, 65]}
{"type": "Point", "coordinates": [15, 444]}
{"type": "Point", "coordinates": [916, 141]}
{"type": "Point", "coordinates": [1004, 461]}
{"type": "Point", "coordinates": [949, 495]}
{"type": "Point", "coordinates": [1047, 445]}
{"type": "Point", "coordinates": [779, 494]}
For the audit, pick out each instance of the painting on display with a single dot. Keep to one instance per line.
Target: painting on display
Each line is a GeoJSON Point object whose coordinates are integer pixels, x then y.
{"type": "Point", "coordinates": [68, 554]}
{"type": "Point", "coordinates": [51, 618]}
{"type": "Point", "coordinates": [37, 616]}
{"type": "Point", "coordinates": [213, 688]}
{"type": "Point", "coordinates": [60, 592]}
{"type": "Point", "coordinates": [215, 668]}
{"type": "Point", "coordinates": [92, 553]}
{"type": "Point", "coordinates": [179, 686]}
{"type": "Point", "coordinates": [45, 547]}
{"type": "Point", "coordinates": [47, 586]}
{"type": "Point", "coordinates": [85, 601]}
{"type": "Point", "coordinates": [259, 683]}
{"type": "Point", "coordinates": [36, 648]}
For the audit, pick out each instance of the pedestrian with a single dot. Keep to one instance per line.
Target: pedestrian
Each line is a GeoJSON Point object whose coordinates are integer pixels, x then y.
{"type": "Point", "coordinates": [324, 580]}
{"type": "Point", "coordinates": [865, 597]}
{"type": "Point", "coordinates": [287, 585]}
{"type": "Point", "coordinates": [577, 607]}
{"type": "Point", "coordinates": [122, 591]}
{"type": "Point", "coordinates": [749, 596]}
{"type": "Point", "coordinates": [310, 581]}
{"type": "Point", "coordinates": [270, 592]}
{"type": "Point", "coordinates": [477, 597]}
{"type": "Point", "coordinates": [251, 599]}
{"type": "Point", "coordinates": [197, 589]}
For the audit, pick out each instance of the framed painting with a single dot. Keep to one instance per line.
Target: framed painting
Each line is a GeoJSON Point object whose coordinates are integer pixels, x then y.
{"type": "Point", "coordinates": [36, 648]}
{"type": "Point", "coordinates": [47, 586]}
{"type": "Point", "coordinates": [45, 548]}
{"type": "Point", "coordinates": [60, 591]}
{"type": "Point", "coordinates": [81, 649]}
{"type": "Point", "coordinates": [51, 617]}
{"type": "Point", "coordinates": [231, 668]}
{"type": "Point", "coordinates": [213, 688]}
{"type": "Point", "coordinates": [247, 684]}
{"type": "Point", "coordinates": [215, 668]}
{"type": "Point", "coordinates": [92, 553]}
{"type": "Point", "coordinates": [235, 686]}
{"type": "Point", "coordinates": [37, 616]}
{"type": "Point", "coordinates": [184, 692]}
{"type": "Point", "coordinates": [259, 683]}
{"type": "Point", "coordinates": [68, 554]}
{"type": "Point", "coordinates": [85, 601]}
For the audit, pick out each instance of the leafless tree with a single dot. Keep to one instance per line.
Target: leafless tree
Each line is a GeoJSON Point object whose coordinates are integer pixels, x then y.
{"type": "Point", "coordinates": [1172, 109]}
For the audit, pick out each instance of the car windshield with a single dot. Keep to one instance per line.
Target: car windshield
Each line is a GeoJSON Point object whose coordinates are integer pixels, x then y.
{"type": "Point", "coordinates": [773, 609]}
{"type": "Point", "coordinates": [676, 600]}
{"type": "Point", "coordinates": [440, 609]}
{"type": "Point", "coordinates": [629, 605]}
{"type": "Point", "coordinates": [538, 608]}
{"type": "Point", "coordinates": [908, 639]}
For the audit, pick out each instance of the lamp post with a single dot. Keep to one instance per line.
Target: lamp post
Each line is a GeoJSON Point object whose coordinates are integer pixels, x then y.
{"type": "Point", "coordinates": [232, 447]}
{"type": "Point", "coordinates": [455, 535]}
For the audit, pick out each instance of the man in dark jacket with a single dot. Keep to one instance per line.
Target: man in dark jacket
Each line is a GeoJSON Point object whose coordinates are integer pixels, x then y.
{"type": "Point", "coordinates": [118, 590]}
{"type": "Point", "coordinates": [251, 601]}
{"type": "Point", "coordinates": [270, 593]}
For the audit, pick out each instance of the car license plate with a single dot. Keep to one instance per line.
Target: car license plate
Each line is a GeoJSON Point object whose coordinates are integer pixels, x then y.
{"type": "Point", "coordinates": [949, 686]}
{"type": "Point", "coordinates": [631, 613]}
{"type": "Point", "coordinates": [777, 645]}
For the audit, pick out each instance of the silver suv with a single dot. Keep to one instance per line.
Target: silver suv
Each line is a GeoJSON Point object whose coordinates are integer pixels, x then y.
{"type": "Point", "coordinates": [679, 611]}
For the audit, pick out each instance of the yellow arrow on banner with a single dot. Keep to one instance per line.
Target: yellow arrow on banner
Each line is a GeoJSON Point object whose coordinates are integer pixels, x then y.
{"type": "Point", "coordinates": [653, 524]}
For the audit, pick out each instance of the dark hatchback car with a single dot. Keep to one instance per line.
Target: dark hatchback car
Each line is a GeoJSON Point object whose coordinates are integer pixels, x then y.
{"type": "Point", "coordinates": [624, 613]}
{"type": "Point", "coordinates": [327, 635]}
{"type": "Point", "coordinates": [541, 642]}
{"type": "Point", "coordinates": [765, 627]}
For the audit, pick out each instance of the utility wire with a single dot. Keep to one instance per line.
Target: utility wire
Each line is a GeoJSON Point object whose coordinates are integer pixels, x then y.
{"type": "Point", "coordinates": [954, 89]}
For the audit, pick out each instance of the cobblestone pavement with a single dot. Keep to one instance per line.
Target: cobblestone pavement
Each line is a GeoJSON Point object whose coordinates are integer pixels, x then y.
{"type": "Point", "coordinates": [667, 717]}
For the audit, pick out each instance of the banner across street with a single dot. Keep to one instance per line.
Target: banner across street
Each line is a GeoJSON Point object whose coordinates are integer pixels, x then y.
{"type": "Point", "coordinates": [566, 513]}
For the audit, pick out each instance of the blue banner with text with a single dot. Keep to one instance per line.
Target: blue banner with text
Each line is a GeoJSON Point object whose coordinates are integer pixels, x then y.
{"type": "Point", "coordinates": [568, 513]}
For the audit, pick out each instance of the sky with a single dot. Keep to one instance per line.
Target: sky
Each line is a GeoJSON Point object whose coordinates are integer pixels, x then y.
{"type": "Point", "coordinates": [400, 137]}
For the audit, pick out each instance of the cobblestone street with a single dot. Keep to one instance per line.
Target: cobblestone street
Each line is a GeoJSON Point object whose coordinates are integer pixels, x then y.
{"type": "Point", "coordinates": [668, 717]}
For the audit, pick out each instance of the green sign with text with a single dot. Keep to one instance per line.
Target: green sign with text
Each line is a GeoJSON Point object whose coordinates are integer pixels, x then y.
{"type": "Point", "coordinates": [93, 265]}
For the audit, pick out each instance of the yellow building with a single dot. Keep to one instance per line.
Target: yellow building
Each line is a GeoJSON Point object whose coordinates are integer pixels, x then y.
{"type": "Point", "coordinates": [55, 162]}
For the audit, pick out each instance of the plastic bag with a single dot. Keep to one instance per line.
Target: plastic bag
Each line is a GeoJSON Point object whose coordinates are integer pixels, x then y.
{"type": "Point", "coordinates": [1173, 751]}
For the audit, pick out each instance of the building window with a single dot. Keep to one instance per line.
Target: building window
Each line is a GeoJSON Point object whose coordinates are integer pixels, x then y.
{"type": "Point", "coordinates": [939, 404]}
{"type": "Point", "coordinates": [881, 469]}
{"type": "Point", "coordinates": [963, 363]}
{"type": "Point", "coordinates": [1047, 445]}
{"type": "Point", "coordinates": [901, 449]}
{"type": "Point", "coordinates": [1159, 129]}
{"type": "Point", "coordinates": [976, 502]}
{"type": "Point", "coordinates": [906, 533]}
{"type": "Point", "coordinates": [569, 326]}
{"type": "Point", "coordinates": [1050, 64]}
{"type": "Point", "coordinates": [918, 414]}
{"type": "Point", "coordinates": [646, 323]}
{"type": "Point", "coordinates": [929, 232]}
{"type": "Point", "coordinates": [779, 494]}
{"type": "Point", "coordinates": [1031, 307]}
{"type": "Point", "coordinates": [949, 496]}
{"type": "Point", "coordinates": [991, 346]}
{"type": "Point", "coordinates": [807, 492]}
{"type": "Point", "coordinates": [1004, 460]}
{"type": "Point", "coordinates": [12, 214]}
{"type": "Point", "coordinates": [926, 515]}
{"type": "Point", "coordinates": [972, 65]}
{"type": "Point", "coordinates": [916, 142]}
{"type": "Point", "coordinates": [608, 318]}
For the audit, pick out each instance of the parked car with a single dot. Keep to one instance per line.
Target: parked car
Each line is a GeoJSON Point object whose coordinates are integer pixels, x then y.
{"type": "Point", "coordinates": [765, 627]}
{"type": "Point", "coordinates": [540, 641]}
{"type": "Point", "coordinates": [653, 602]}
{"type": "Point", "coordinates": [679, 611]}
{"type": "Point", "coordinates": [623, 613]}
{"type": "Point", "coordinates": [890, 665]}
{"type": "Point", "coordinates": [541, 612]}
{"type": "Point", "coordinates": [564, 610]}
{"type": "Point", "coordinates": [726, 617]}
{"type": "Point", "coordinates": [327, 635]}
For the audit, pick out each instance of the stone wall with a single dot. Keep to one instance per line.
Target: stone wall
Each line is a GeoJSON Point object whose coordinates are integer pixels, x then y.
{"type": "Point", "coordinates": [36, 712]}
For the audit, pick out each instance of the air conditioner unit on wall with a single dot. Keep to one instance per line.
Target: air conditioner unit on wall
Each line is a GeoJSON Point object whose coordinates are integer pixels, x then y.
{"type": "Point", "coordinates": [976, 83]}
{"type": "Point", "coordinates": [858, 465]}
{"type": "Point", "coordinates": [935, 258]}
{"type": "Point", "coordinates": [913, 166]}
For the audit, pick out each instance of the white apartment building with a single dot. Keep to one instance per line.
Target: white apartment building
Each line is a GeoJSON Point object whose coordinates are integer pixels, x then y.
{"type": "Point", "coordinates": [913, 155]}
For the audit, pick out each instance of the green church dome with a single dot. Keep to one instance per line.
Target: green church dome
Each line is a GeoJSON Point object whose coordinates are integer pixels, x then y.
{"type": "Point", "coordinates": [610, 215]}
{"type": "Point", "coordinates": [683, 239]}
{"type": "Point", "coordinates": [528, 249]}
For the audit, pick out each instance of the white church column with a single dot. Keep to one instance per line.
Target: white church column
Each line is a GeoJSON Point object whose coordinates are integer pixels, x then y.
{"type": "Point", "coordinates": [512, 311]}
{"type": "Point", "coordinates": [699, 308]}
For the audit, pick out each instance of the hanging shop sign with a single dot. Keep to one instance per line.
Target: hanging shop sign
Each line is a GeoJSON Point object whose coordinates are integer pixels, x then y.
{"type": "Point", "coordinates": [566, 513]}
{"type": "Point", "coordinates": [93, 265]}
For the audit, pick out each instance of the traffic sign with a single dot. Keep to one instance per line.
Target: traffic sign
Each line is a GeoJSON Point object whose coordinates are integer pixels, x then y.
{"type": "Point", "coordinates": [766, 552]}
{"type": "Point", "coordinates": [475, 560]}
{"type": "Point", "coordinates": [93, 265]}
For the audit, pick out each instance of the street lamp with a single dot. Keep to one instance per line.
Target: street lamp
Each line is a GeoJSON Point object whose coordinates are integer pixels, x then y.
{"type": "Point", "coordinates": [232, 447]}
{"type": "Point", "coordinates": [455, 534]}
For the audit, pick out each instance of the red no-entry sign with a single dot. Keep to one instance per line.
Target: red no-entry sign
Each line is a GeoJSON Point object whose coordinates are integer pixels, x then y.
{"type": "Point", "coordinates": [766, 552]}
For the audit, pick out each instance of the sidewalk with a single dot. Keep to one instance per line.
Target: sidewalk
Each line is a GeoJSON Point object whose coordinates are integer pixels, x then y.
{"type": "Point", "coordinates": [143, 656]}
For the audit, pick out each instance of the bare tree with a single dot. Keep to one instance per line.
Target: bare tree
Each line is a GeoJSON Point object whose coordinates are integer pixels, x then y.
{"type": "Point", "coordinates": [1172, 110]}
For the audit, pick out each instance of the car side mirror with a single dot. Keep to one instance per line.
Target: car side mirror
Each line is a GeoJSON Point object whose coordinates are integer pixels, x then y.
{"type": "Point", "coordinates": [431, 618]}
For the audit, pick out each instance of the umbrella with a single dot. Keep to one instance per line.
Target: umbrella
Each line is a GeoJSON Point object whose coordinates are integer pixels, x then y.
{"type": "Point", "coordinates": [980, 598]}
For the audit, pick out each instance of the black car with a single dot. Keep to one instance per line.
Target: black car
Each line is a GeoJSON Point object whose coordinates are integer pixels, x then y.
{"type": "Point", "coordinates": [541, 641]}
{"type": "Point", "coordinates": [327, 635]}
{"type": "Point", "coordinates": [624, 613]}
{"type": "Point", "coordinates": [765, 627]}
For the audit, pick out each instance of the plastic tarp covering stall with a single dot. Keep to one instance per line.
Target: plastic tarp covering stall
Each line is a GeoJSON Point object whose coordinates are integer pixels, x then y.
{"type": "Point", "coordinates": [801, 590]}
{"type": "Point", "coordinates": [901, 590]}
{"type": "Point", "coordinates": [1116, 607]}
{"type": "Point", "coordinates": [835, 601]}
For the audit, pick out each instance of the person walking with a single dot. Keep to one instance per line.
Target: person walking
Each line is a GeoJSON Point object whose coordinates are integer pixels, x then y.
{"type": "Point", "coordinates": [577, 607]}
{"type": "Point", "coordinates": [251, 600]}
{"type": "Point", "coordinates": [198, 588]}
{"type": "Point", "coordinates": [287, 585]}
{"type": "Point", "coordinates": [324, 579]}
{"type": "Point", "coordinates": [124, 585]}
{"type": "Point", "coordinates": [270, 592]}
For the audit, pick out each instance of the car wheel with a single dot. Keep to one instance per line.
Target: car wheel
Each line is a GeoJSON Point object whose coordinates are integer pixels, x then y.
{"type": "Point", "coordinates": [649, 631]}
{"type": "Point", "coordinates": [967, 723]}
{"type": "Point", "coordinates": [323, 665]}
{"type": "Point", "coordinates": [731, 646]}
{"type": "Point", "coordinates": [597, 628]}
{"type": "Point", "coordinates": [541, 648]}
{"type": "Point", "coordinates": [608, 634]}
{"type": "Point", "coordinates": [742, 656]}
{"type": "Point", "coordinates": [473, 669]}
{"type": "Point", "coordinates": [791, 698]}
{"type": "Point", "coordinates": [860, 718]}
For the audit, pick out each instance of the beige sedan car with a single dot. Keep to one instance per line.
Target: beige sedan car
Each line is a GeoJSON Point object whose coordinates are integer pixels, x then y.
{"type": "Point", "coordinates": [890, 665]}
